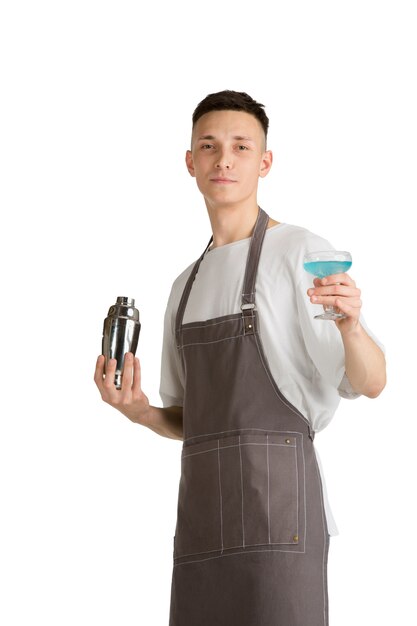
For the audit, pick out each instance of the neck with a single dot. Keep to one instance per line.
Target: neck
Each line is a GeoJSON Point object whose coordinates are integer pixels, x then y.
{"type": "Point", "coordinates": [233, 223]}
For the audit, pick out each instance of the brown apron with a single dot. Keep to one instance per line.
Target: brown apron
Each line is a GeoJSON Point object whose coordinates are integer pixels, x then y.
{"type": "Point", "coordinates": [251, 540]}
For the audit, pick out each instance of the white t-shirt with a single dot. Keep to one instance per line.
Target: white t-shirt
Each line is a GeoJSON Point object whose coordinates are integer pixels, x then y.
{"type": "Point", "coordinates": [306, 356]}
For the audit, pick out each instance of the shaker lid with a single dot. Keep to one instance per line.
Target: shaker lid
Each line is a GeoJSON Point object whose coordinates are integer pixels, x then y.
{"type": "Point", "coordinates": [124, 309]}
{"type": "Point", "coordinates": [126, 301]}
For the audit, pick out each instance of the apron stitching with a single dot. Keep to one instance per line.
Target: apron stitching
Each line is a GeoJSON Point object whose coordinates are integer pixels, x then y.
{"type": "Point", "coordinates": [204, 343]}
{"type": "Point", "coordinates": [222, 556]}
{"type": "Point", "coordinates": [298, 498]}
{"type": "Point", "coordinates": [325, 539]}
{"type": "Point", "coordinates": [238, 445]}
{"type": "Point", "coordinates": [209, 325]}
{"type": "Point", "coordinates": [220, 494]}
{"type": "Point", "coordinates": [249, 545]}
{"type": "Point", "coordinates": [305, 496]}
{"type": "Point", "coordinates": [222, 432]}
{"type": "Point", "coordinates": [246, 551]}
{"type": "Point", "coordinates": [241, 483]}
{"type": "Point", "coordinates": [267, 463]}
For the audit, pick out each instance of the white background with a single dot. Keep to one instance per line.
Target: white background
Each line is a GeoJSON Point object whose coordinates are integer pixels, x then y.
{"type": "Point", "coordinates": [96, 202]}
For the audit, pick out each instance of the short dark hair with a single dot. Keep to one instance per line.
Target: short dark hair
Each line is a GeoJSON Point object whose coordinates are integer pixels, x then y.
{"type": "Point", "coordinates": [232, 101]}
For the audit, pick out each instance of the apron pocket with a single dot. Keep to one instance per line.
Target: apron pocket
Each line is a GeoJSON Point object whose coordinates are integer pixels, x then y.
{"type": "Point", "coordinates": [199, 513]}
{"type": "Point", "coordinates": [241, 492]}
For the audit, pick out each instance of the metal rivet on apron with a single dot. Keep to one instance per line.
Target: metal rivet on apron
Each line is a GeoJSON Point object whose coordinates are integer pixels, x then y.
{"type": "Point", "coordinates": [288, 441]}
{"type": "Point", "coordinates": [249, 328]}
{"type": "Point", "coordinates": [295, 538]}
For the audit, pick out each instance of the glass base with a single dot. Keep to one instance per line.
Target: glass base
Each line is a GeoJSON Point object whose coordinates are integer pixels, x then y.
{"type": "Point", "coordinates": [330, 315]}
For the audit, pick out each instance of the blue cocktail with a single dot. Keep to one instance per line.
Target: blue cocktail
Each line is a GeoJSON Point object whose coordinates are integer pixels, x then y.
{"type": "Point", "coordinates": [326, 268]}
{"type": "Point", "coordinates": [325, 263]}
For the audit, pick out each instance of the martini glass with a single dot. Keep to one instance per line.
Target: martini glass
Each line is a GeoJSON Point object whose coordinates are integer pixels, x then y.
{"type": "Point", "coordinates": [324, 263]}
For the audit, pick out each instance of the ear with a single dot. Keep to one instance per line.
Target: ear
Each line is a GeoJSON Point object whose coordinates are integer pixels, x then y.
{"type": "Point", "coordinates": [266, 163]}
{"type": "Point", "coordinates": [189, 162]}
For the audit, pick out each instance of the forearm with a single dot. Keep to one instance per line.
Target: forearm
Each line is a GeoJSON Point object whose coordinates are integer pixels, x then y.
{"type": "Point", "coordinates": [364, 363]}
{"type": "Point", "coordinates": [132, 402]}
{"type": "Point", "coordinates": [166, 422]}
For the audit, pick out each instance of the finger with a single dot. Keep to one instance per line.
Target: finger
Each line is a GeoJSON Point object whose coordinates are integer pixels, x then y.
{"type": "Point", "coordinates": [137, 378]}
{"type": "Point", "coordinates": [341, 290]}
{"type": "Point", "coordinates": [351, 304]}
{"type": "Point", "coordinates": [108, 383]}
{"type": "Point", "coordinates": [343, 279]}
{"type": "Point", "coordinates": [99, 371]}
{"type": "Point", "coordinates": [350, 311]}
{"type": "Point", "coordinates": [127, 372]}
{"type": "Point", "coordinates": [331, 300]}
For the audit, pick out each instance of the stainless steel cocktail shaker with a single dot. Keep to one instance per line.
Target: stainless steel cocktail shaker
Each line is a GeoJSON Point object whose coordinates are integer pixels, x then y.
{"type": "Point", "coordinates": [120, 334]}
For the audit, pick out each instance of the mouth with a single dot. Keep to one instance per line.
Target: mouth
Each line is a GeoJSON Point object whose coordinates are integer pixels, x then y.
{"type": "Point", "coordinates": [222, 181]}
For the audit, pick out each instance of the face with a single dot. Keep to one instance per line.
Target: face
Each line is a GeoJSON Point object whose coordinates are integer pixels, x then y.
{"type": "Point", "coordinates": [228, 157]}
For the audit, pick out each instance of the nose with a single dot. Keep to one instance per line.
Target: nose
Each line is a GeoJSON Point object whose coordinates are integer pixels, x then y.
{"type": "Point", "coordinates": [223, 162]}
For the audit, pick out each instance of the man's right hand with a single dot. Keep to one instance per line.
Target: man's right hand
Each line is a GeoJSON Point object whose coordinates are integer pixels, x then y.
{"type": "Point", "coordinates": [130, 399]}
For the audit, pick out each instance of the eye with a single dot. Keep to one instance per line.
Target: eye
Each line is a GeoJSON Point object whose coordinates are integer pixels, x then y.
{"type": "Point", "coordinates": [206, 146]}
{"type": "Point", "coordinates": [242, 148]}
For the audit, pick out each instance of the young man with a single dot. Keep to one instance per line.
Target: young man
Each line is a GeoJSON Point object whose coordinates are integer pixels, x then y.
{"type": "Point", "coordinates": [248, 376]}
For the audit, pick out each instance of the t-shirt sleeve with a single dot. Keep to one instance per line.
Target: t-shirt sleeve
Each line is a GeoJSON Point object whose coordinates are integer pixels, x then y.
{"type": "Point", "coordinates": [322, 338]}
{"type": "Point", "coordinates": [171, 387]}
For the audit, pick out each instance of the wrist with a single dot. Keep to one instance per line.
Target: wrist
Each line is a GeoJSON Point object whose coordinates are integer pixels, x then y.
{"type": "Point", "coordinates": [353, 333]}
{"type": "Point", "coordinates": [144, 418]}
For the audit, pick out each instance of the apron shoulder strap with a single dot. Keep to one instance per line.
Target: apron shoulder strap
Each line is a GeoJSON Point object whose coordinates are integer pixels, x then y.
{"type": "Point", "coordinates": [252, 262]}
{"type": "Point", "coordinates": [248, 292]}
{"type": "Point", "coordinates": [187, 289]}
